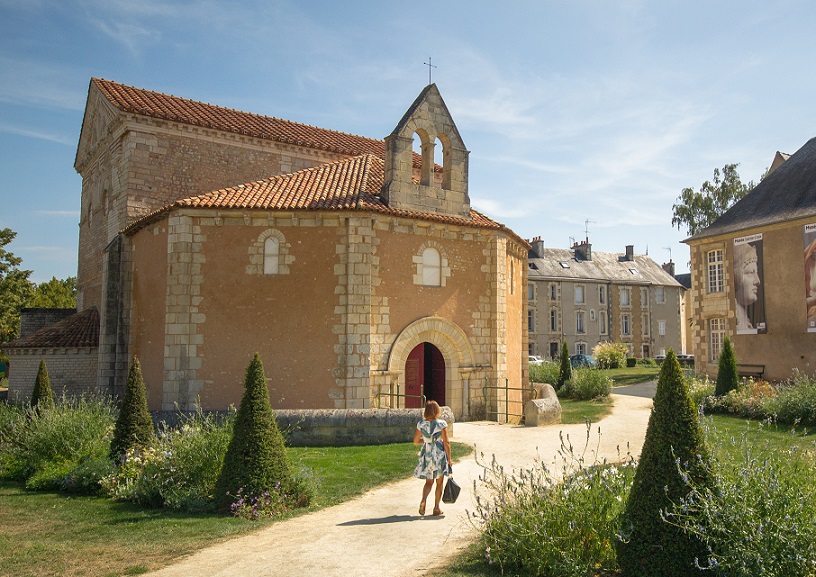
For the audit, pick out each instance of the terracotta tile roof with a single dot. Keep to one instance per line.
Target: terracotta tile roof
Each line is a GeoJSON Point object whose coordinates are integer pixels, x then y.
{"type": "Point", "coordinates": [79, 330]}
{"type": "Point", "coordinates": [176, 109]}
{"type": "Point", "coordinates": [352, 184]}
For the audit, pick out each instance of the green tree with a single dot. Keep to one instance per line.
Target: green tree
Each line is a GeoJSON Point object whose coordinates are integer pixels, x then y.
{"type": "Point", "coordinates": [727, 377]}
{"type": "Point", "coordinates": [650, 545]}
{"type": "Point", "coordinates": [134, 426]}
{"type": "Point", "coordinates": [256, 458]}
{"type": "Point", "coordinates": [565, 374]}
{"type": "Point", "coordinates": [55, 294]}
{"type": "Point", "coordinates": [42, 396]}
{"type": "Point", "coordinates": [698, 209]}
{"type": "Point", "coordinates": [15, 288]}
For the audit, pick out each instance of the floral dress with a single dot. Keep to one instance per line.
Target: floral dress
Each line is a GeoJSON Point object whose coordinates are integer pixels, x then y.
{"type": "Point", "coordinates": [433, 462]}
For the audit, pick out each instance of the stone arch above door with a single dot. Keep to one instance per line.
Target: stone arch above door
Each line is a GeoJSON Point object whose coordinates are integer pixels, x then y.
{"type": "Point", "coordinates": [454, 345]}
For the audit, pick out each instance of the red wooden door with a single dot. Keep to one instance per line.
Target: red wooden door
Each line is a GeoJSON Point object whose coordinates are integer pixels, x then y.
{"type": "Point", "coordinates": [414, 377]}
{"type": "Point", "coordinates": [435, 371]}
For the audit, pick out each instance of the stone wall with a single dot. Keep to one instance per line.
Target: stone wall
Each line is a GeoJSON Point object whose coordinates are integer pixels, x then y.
{"type": "Point", "coordinates": [71, 371]}
{"type": "Point", "coordinates": [341, 427]}
{"type": "Point", "coordinates": [32, 320]}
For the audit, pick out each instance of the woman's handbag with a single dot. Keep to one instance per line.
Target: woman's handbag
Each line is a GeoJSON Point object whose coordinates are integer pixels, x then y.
{"type": "Point", "coordinates": [451, 491]}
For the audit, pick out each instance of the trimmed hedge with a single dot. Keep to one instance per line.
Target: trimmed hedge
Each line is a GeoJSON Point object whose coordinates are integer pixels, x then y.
{"type": "Point", "coordinates": [256, 460]}
{"type": "Point", "coordinates": [674, 439]}
{"type": "Point", "coordinates": [134, 426]}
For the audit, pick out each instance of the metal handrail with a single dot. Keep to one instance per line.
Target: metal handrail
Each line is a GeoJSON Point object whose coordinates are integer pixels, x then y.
{"type": "Point", "coordinates": [506, 388]}
{"type": "Point", "coordinates": [423, 399]}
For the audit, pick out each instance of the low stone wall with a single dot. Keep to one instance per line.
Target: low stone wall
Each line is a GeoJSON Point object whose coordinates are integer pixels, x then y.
{"type": "Point", "coordinates": [343, 427]}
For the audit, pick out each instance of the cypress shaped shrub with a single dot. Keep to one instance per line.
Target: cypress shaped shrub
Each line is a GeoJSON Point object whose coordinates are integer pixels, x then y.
{"type": "Point", "coordinates": [134, 426]}
{"type": "Point", "coordinates": [256, 460]}
{"type": "Point", "coordinates": [727, 378]}
{"type": "Point", "coordinates": [42, 396]}
{"type": "Point", "coordinates": [566, 368]}
{"type": "Point", "coordinates": [650, 546]}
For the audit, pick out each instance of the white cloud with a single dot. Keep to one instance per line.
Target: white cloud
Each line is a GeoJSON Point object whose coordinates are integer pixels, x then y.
{"type": "Point", "coordinates": [51, 137]}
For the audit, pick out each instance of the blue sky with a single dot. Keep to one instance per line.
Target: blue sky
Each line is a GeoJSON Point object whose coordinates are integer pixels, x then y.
{"type": "Point", "coordinates": [573, 111]}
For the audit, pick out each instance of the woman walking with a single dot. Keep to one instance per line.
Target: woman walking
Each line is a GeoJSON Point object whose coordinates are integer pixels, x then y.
{"type": "Point", "coordinates": [434, 455]}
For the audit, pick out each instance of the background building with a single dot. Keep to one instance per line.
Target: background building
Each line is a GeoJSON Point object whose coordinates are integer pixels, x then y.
{"type": "Point", "coordinates": [585, 297]}
{"type": "Point", "coordinates": [753, 275]}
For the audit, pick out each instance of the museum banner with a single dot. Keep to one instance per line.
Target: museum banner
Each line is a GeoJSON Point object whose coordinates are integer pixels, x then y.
{"type": "Point", "coordinates": [749, 285]}
{"type": "Point", "coordinates": [809, 234]}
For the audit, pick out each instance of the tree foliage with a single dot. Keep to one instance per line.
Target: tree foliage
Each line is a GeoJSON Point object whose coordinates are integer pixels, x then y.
{"type": "Point", "coordinates": [43, 395]}
{"type": "Point", "coordinates": [727, 377]}
{"type": "Point", "coordinates": [256, 459]}
{"type": "Point", "coordinates": [674, 438]}
{"type": "Point", "coordinates": [565, 374]}
{"type": "Point", "coordinates": [134, 426]}
{"type": "Point", "coordinates": [697, 209]}
{"type": "Point", "coordinates": [15, 288]}
{"type": "Point", "coordinates": [55, 294]}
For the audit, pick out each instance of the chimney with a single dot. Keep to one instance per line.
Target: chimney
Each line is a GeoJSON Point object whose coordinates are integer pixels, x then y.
{"type": "Point", "coordinates": [630, 252]}
{"type": "Point", "coordinates": [669, 267]}
{"type": "Point", "coordinates": [583, 251]}
{"type": "Point", "coordinates": [538, 247]}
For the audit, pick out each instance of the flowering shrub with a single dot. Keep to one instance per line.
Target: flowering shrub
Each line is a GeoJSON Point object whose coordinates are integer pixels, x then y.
{"type": "Point", "coordinates": [586, 384]}
{"type": "Point", "coordinates": [793, 401]}
{"type": "Point", "coordinates": [42, 446]}
{"type": "Point", "coordinates": [558, 520]}
{"type": "Point", "coordinates": [700, 388]}
{"type": "Point", "coordinates": [180, 469]}
{"type": "Point", "coordinates": [758, 518]}
{"type": "Point", "coordinates": [269, 504]}
{"type": "Point", "coordinates": [546, 372]}
{"type": "Point", "coordinates": [611, 355]}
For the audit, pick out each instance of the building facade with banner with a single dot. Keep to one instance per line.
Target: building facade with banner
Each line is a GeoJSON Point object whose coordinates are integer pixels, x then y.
{"type": "Point", "coordinates": [753, 276]}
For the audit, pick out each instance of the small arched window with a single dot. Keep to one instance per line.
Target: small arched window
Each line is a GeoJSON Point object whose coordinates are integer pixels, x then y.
{"type": "Point", "coordinates": [271, 255]}
{"type": "Point", "coordinates": [431, 267]}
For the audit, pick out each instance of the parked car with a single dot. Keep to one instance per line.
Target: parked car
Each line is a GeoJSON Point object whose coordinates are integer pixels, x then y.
{"type": "Point", "coordinates": [535, 360]}
{"type": "Point", "coordinates": [583, 361]}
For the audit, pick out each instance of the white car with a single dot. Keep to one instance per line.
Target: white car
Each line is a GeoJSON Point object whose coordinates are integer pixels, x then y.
{"type": "Point", "coordinates": [535, 360]}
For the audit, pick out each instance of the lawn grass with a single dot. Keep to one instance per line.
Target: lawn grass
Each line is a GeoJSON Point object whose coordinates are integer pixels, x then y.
{"type": "Point", "coordinates": [47, 534]}
{"type": "Point", "coordinates": [573, 412]}
{"type": "Point", "coordinates": [632, 375]}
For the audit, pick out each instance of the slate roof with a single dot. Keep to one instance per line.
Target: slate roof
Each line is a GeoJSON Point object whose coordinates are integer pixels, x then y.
{"type": "Point", "coordinates": [353, 184]}
{"type": "Point", "coordinates": [77, 331]}
{"type": "Point", "coordinates": [604, 266]}
{"type": "Point", "coordinates": [788, 193]}
{"type": "Point", "coordinates": [684, 279]}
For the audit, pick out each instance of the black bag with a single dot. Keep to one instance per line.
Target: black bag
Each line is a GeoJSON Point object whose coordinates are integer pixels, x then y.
{"type": "Point", "coordinates": [451, 491]}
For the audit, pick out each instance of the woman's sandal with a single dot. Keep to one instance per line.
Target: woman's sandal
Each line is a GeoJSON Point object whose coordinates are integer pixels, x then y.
{"type": "Point", "coordinates": [437, 512]}
{"type": "Point", "coordinates": [422, 509]}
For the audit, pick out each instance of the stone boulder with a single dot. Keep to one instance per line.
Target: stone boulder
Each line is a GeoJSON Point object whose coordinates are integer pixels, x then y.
{"type": "Point", "coordinates": [544, 410]}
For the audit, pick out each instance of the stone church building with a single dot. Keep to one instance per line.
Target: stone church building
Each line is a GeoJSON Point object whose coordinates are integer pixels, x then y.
{"type": "Point", "coordinates": [356, 267]}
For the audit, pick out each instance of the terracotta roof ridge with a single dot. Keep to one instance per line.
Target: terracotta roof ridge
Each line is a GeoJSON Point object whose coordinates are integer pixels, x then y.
{"type": "Point", "coordinates": [120, 103]}
{"type": "Point", "coordinates": [80, 329]}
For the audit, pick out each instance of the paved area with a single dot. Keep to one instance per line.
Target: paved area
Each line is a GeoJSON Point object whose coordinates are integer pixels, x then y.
{"type": "Point", "coordinates": [380, 534]}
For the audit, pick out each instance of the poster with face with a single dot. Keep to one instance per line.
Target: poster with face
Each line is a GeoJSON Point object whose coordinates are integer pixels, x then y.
{"type": "Point", "coordinates": [809, 234]}
{"type": "Point", "coordinates": [749, 293]}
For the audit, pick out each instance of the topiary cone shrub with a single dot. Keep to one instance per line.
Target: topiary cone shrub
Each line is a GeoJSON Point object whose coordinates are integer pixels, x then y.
{"type": "Point", "coordinates": [256, 459]}
{"type": "Point", "coordinates": [727, 377]}
{"type": "Point", "coordinates": [566, 368]}
{"type": "Point", "coordinates": [42, 396]}
{"type": "Point", "coordinates": [134, 425]}
{"type": "Point", "coordinates": [650, 546]}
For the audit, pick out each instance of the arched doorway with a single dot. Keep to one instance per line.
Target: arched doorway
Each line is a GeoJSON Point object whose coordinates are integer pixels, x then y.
{"type": "Point", "coordinates": [424, 375]}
